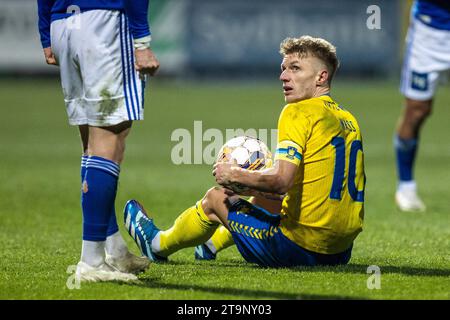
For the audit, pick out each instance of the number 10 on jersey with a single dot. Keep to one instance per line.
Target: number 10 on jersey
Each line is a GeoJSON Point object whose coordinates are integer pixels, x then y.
{"type": "Point", "coordinates": [339, 170]}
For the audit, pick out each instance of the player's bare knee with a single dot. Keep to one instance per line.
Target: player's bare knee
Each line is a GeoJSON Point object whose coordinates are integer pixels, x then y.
{"type": "Point", "coordinates": [212, 196]}
{"type": "Point", "coordinates": [207, 205]}
{"type": "Point", "coordinates": [215, 192]}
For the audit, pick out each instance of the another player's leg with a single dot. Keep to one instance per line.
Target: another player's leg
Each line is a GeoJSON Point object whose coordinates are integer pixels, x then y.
{"type": "Point", "coordinates": [120, 258]}
{"type": "Point", "coordinates": [105, 148]}
{"type": "Point", "coordinates": [117, 254]}
{"type": "Point", "coordinates": [406, 144]}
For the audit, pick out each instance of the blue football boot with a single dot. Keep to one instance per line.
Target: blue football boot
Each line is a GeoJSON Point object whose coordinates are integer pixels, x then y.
{"type": "Point", "coordinates": [142, 229]}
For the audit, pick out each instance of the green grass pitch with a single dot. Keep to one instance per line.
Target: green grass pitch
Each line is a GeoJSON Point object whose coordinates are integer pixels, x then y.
{"type": "Point", "coordinates": [40, 219]}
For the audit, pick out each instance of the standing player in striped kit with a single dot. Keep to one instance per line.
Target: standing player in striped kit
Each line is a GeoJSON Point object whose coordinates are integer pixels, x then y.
{"type": "Point", "coordinates": [103, 50]}
{"type": "Point", "coordinates": [426, 60]}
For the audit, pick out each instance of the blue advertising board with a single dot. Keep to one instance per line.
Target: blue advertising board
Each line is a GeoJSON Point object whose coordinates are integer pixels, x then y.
{"type": "Point", "coordinates": [244, 36]}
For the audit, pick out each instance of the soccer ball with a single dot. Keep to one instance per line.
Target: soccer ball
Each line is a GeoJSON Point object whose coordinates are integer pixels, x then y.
{"type": "Point", "coordinates": [248, 153]}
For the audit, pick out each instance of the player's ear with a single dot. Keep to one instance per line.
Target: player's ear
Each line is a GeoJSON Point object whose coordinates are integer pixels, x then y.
{"type": "Point", "coordinates": [322, 77]}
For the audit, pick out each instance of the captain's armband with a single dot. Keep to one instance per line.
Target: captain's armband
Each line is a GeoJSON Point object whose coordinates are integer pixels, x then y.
{"type": "Point", "coordinates": [288, 151]}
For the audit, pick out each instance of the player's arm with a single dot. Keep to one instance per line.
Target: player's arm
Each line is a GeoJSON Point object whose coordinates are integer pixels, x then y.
{"type": "Point", "coordinates": [293, 132]}
{"type": "Point", "coordinates": [145, 60]}
{"type": "Point", "coordinates": [44, 13]}
{"type": "Point", "coordinates": [278, 179]}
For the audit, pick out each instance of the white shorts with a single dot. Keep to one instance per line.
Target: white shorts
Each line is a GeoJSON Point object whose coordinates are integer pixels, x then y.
{"type": "Point", "coordinates": [96, 57]}
{"type": "Point", "coordinates": [427, 59]}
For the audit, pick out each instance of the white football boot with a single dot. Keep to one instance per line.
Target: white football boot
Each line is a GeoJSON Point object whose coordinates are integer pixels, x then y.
{"type": "Point", "coordinates": [407, 198]}
{"type": "Point", "coordinates": [128, 263]}
{"type": "Point", "coordinates": [87, 273]}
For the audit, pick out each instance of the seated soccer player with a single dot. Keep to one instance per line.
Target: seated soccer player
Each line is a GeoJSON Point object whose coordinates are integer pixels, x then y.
{"type": "Point", "coordinates": [318, 170]}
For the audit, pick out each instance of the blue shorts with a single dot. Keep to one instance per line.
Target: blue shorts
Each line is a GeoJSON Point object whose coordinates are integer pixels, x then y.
{"type": "Point", "coordinates": [258, 237]}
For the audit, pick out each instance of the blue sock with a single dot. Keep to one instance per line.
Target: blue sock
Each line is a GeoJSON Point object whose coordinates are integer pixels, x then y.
{"type": "Point", "coordinates": [406, 154]}
{"type": "Point", "coordinates": [112, 225]}
{"type": "Point", "coordinates": [99, 193]}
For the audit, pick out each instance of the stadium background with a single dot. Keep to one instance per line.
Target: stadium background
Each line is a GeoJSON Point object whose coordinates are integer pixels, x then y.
{"type": "Point", "coordinates": [219, 65]}
{"type": "Point", "coordinates": [205, 37]}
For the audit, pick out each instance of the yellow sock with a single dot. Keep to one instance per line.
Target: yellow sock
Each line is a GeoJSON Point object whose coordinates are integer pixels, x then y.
{"type": "Point", "coordinates": [221, 239]}
{"type": "Point", "coordinates": [190, 229]}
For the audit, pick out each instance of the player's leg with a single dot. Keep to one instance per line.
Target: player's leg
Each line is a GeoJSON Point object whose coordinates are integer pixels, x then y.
{"type": "Point", "coordinates": [106, 147]}
{"type": "Point", "coordinates": [98, 192]}
{"type": "Point", "coordinates": [191, 228]}
{"type": "Point", "coordinates": [223, 239]}
{"type": "Point", "coordinates": [255, 231]}
{"type": "Point", "coordinates": [112, 98]}
{"type": "Point", "coordinates": [406, 143]}
{"type": "Point", "coordinates": [117, 255]}
{"type": "Point", "coordinates": [106, 144]}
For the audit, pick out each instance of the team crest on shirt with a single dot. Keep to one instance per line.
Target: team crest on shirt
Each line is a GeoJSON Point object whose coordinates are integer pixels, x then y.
{"type": "Point", "coordinates": [84, 187]}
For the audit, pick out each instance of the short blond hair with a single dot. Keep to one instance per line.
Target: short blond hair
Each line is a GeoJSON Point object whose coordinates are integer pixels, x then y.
{"type": "Point", "coordinates": [316, 47]}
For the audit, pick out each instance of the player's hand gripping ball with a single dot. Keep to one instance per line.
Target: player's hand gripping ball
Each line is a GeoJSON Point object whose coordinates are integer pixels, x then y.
{"type": "Point", "coordinates": [248, 153]}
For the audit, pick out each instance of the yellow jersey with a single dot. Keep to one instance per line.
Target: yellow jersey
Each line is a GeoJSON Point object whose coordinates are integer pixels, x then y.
{"type": "Point", "coordinates": [323, 211]}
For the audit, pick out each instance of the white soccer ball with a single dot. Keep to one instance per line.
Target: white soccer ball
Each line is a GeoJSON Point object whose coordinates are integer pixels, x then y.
{"type": "Point", "coordinates": [247, 152]}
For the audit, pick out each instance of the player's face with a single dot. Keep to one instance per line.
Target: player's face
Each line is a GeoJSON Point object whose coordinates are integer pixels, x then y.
{"type": "Point", "coordinates": [299, 77]}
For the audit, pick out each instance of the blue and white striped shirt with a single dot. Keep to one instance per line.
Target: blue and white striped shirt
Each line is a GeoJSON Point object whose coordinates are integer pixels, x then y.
{"type": "Point", "coordinates": [434, 13]}
{"type": "Point", "coordinates": [51, 10]}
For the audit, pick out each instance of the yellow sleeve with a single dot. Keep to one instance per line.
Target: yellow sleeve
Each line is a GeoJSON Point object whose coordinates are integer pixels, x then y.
{"type": "Point", "coordinates": [293, 132]}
